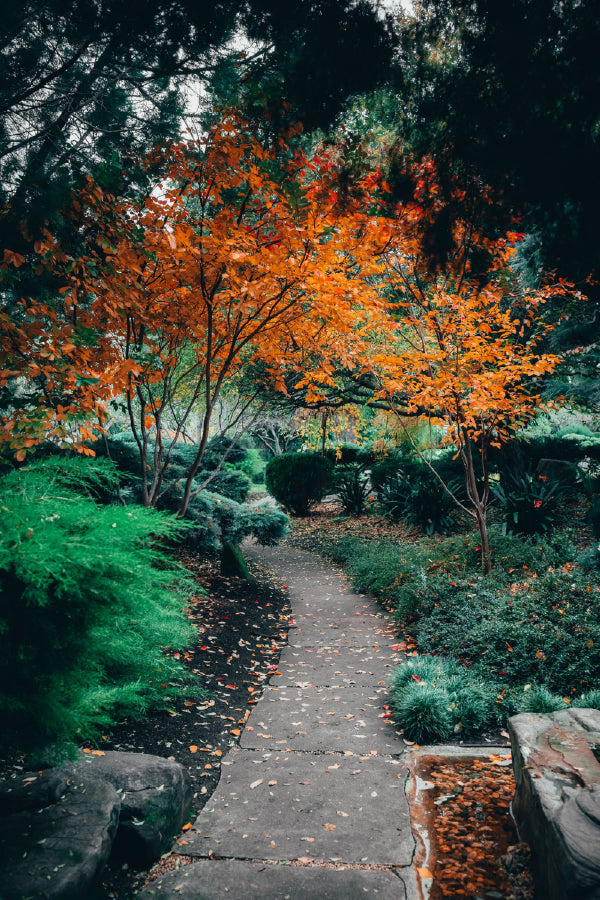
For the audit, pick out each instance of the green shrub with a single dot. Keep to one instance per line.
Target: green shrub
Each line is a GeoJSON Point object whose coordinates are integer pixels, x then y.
{"type": "Point", "coordinates": [91, 608]}
{"type": "Point", "coordinates": [298, 480]}
{"type": "Point", "coordinates": [217, 520]}
{"type": "Point", "coordinates": [388, 467]}
{"type": "Point", "coordinates": [423, 713]}
{"type": "Point", "coordinates": [419, 499]}
{"type": "Point", "coordinates": [530, 503]}
{"type": "Point", "coordinates": [539, 628]}
{"type": "Point", "coordinates": [353, 487]}
{"type": "Point", "coordinates": [593, 516]}
{"type": "Point", "coordinates": [351, 453]}
{"type": "Point", "coordinates": [408, 489]}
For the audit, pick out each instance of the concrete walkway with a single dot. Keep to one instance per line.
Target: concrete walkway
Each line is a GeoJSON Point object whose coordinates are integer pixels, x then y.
{"type": "Point", "coordinates": [312, 803]}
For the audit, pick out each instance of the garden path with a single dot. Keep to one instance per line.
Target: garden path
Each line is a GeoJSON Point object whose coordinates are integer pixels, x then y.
{"type": "Point", "coordinates": [311, 803]}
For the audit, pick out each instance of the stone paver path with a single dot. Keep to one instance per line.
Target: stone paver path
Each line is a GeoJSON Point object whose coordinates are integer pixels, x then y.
{"type": "Point", "coordinates": [318, 777]}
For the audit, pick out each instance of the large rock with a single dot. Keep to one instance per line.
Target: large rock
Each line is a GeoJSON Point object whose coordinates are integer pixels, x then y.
{"type": "Point", "coordinates": [156, 799]}
{"type": "Point", "coordinates": [57, 852]}
{"type": "Point", "coordinates": [557, 800]}
{"type": "Point", "coordinates": [58, 827]}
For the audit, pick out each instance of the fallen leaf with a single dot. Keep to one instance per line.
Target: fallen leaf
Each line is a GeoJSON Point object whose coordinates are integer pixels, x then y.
{"type": "Point", "coordinates": [340, 812]}
{"type": "Point", "coordinates": [424, 873]}
{"type": "Point", "coordinates": [187, 826]}
{"type": "Point", "coordinates": [193, 748]}
{"type": "Point", "coordinates": [256, 783]}
{"type": "Point", "coordinates": [329, 826]}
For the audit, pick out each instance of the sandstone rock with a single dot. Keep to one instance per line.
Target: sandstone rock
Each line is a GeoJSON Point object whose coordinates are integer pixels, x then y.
{"type": "Point", "coordinates": [57, 851]}
{"type": "Point", "coordinates": [557, 799]}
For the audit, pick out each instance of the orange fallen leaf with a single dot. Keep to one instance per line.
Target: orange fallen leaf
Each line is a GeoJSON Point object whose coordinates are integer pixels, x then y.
{"type": "Point", "coordinates": [424, 873]}
{"type": "Point", "coordinates": [193, 748]}
{"type": "Point", "coordinates": [329, 826]}
{"type": "Point", "coordinates": [187, 826]}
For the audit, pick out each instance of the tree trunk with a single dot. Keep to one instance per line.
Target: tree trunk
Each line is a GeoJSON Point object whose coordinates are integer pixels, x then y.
{"type": "Point", "coordinates": [479, 504]}
{"type": "Point", "coordinates": [233, 564]}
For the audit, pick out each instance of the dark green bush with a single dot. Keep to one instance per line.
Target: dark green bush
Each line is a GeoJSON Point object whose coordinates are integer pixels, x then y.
{"type": "Point", "coordinates": [572, 443]}
{"type": "Point", "coordinates": [353, 487]}
{"type": "Point", "coordinates": [536, 628]}
{"type": "Point", "coordinates": [419, 498]}
{"type": "Point", "coordinates": [351, 453]}
{"type": "Point", "coordinates": [387, 467]}
{"type": "Point", "coordinates": [593, 516]}
{"type": "Point", "coordinates": [298, 480]}
{"type": "Point", "coordinates": [530, 503]}
{"type": "Point", "coordinates": [408, 489]}
{"type": "Point", "coordinates": [91, 608]}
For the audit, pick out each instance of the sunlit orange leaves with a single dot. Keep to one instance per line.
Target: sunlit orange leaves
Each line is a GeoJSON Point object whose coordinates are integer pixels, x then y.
{"type": "Point", "coordinates": [239, 254]}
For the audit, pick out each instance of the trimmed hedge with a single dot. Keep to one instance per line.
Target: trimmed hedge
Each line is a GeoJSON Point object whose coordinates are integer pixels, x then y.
{"type": "Point", "coordinates": [299, 480]}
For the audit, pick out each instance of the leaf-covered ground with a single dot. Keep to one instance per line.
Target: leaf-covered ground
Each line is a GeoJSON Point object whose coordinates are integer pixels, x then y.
{"type": "Point", "coordinates": [241, 629]}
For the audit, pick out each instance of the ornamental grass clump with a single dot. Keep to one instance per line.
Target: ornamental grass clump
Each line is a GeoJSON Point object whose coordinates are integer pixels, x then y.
{"type": "Point", "coordinates": [91, 608]}
{"type": "Point", "coordinates": [433, 699]}
{"type": "Point", "coordinates": [540, 700]}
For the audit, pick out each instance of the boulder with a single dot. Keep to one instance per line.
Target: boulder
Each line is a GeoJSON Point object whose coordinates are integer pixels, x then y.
{"type": "Point", "coordinates": [58, 827]}
{"type": "Point", "coordinates": [57, 851]}
{"type": "Point", "coordinates": [557, 799]}
{"type": "Point", "coordinates": [156, 799]}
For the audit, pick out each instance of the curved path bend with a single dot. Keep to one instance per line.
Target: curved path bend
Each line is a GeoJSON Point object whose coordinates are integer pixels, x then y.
{"type": "Point", "coordinates": [311, 804]}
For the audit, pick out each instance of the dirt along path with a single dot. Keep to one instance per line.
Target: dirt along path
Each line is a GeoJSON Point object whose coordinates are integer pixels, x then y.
{"type": "Point", "coordinates": [312, 802]}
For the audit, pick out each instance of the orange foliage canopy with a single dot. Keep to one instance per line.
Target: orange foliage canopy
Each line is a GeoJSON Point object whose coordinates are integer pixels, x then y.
{"type": "Point", "coordinates": [239, 254]}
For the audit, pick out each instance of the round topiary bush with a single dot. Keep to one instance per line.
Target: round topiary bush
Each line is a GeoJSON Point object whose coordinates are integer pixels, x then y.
{"type": "Point", "coordinates": [298, 480]}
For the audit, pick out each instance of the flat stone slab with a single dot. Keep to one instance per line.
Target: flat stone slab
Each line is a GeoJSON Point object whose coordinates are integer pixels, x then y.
{"type": "Point", "coordinates": [334, 665]}
{"type": "Point", "coordinates": [336, 632]}
{"type": "Point", "coordinates": [217, 879]}
{"type": "Point", "coordinates": [322, 718]}
{"type": "Point", "coordinates": [286, 805]}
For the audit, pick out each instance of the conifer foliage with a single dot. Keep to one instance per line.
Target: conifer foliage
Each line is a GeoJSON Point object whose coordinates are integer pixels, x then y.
{"type": "Point", "coordinates": [90, 606]}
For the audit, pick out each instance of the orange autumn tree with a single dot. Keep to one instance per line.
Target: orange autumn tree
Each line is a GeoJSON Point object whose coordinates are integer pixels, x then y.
{"type": "Point", "coordinates": [240, 255]}
{"type": "Point", "coordinates": [465, 352]}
